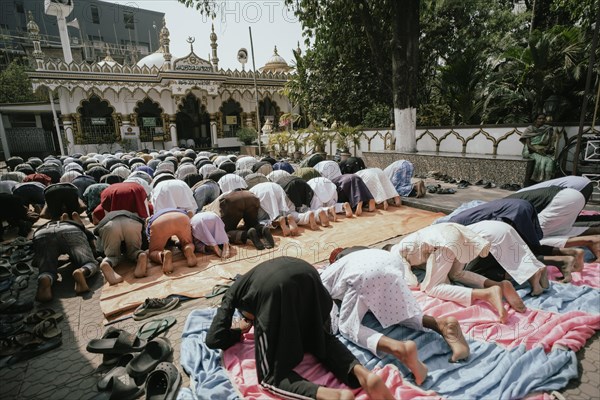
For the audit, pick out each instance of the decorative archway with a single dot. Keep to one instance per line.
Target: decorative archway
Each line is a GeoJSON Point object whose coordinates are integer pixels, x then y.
{"type": "Point", "coordinates": [97, 123]}
{"type": "Point", "coordinates": [149, 119]}
{"type": "Point", "coordinates": [268, 109]}
{"type": "Point", "coordinates": [231, 120]}
{"type": "Point", "coordinates": [193, 123]}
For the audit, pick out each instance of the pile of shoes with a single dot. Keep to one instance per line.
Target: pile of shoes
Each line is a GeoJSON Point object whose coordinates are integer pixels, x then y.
{"type": "Point", "coordinates": [439, 189]}
{"type": "Point", "coordinates": [22, 338]}
{"type": "Point", "coordinates": [485, 184]}
{"type": "Point", "coordinates": [513, 187]}
{"type": "Point", "coordinates": [135, 364]}
{"type": "Point", "coordinates": [15, 272]}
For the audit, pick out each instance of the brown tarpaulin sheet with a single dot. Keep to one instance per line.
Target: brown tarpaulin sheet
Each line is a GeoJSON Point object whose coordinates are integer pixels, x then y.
{"type": "Point", "coordinates": [311, 246]}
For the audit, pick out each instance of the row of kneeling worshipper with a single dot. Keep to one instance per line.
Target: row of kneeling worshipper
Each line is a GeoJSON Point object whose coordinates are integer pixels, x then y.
{"type": "Point", "coordinates": [295, 308]}
{"type": "Point", "coordinates": [138, 201]}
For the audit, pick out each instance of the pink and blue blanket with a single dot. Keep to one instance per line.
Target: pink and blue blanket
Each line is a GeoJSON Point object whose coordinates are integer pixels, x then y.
{"type": "Point", "coordinates": [533, 353]}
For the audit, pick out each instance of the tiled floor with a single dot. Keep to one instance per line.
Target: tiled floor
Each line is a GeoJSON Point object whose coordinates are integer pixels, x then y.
{"type": "Point", "coordinates": [69, 371]}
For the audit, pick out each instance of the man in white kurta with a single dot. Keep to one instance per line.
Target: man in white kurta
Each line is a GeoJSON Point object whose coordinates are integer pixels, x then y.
{"type": "Point", "coordinates": [173, 193]}
{"type": "Point", "coordinates": [379, 185]}
{"type": "Point", "coordinates": [373, 280]}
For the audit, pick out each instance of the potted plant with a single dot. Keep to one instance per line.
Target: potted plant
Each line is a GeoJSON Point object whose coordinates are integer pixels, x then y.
{"type": "Point", "coordinates": [347, 136]}
{"type": "Point", "coordinates": [296, 140]}
{"type": "Point", "coordinates": [247, 135]}
{"type": "Point", "coordinates": [318, 136]}
{"type": "Point", "coordinates": [282, 139]}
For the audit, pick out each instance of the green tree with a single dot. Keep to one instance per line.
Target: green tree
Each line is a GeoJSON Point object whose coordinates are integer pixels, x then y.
{"type": "Point", "coordinates": [16, 86]}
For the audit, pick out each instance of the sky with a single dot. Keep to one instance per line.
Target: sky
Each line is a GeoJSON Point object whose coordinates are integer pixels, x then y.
{"type": "Point", "coordinates": [272, 23]}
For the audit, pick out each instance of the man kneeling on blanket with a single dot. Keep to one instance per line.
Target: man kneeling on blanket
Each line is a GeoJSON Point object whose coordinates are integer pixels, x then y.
{"type": "Point", "coordinates": [289, 307]}
{"type": "Point", "coordinates": [362, 280]}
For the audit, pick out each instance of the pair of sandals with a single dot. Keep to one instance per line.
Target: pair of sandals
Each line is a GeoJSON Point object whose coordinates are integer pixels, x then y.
{"type": "Point", "coordinates": [439, 190]}
{"type": "Point", "coordinates": [43, 337]}
{"type": "Point", "coordinates": [148, 365]}
{"type": "Point", "coordinates": [485, 184]}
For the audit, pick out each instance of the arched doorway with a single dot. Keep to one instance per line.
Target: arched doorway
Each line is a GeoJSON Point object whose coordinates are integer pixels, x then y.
{"type": "Point", "coordinates": [268, 109]}
{"type": "Point", "coordinates": [193, 123]}
{"type": "Point", "coordinates": [149, 120]}
{"type": "Point", "coordinates": [231, 120]}
{"type": "Point", "coordinates": [96, 124]}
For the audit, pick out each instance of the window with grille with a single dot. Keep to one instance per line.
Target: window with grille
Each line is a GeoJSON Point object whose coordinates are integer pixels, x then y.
{"type": "Point", "coordinates": [128, 20]}
{"type": "Point", "coordinates": [149, 120]}
{"type": "Point", "coordinates": [232, 117]}
{"type": "Point", "coordinates": [97, 124]}
{"type": "Point", "coordinates": [95, 14]}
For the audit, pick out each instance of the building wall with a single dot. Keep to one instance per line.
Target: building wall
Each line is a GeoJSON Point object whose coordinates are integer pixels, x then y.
{"type": "Point", "coordinates": [111, 29]}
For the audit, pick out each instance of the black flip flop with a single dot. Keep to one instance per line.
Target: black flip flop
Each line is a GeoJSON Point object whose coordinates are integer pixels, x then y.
{"type": "Point", "coordinates": [31, 350]}
{"type": "Point", "coordinates": [163, 383]}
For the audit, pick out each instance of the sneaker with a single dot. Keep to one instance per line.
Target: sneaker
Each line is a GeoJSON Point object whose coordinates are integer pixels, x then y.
{"type": "Point", "coordinates": [152, 307]}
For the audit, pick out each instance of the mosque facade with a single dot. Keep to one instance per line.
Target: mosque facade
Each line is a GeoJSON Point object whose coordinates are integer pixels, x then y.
{"type": "Point", "coordinates": [160, 102]}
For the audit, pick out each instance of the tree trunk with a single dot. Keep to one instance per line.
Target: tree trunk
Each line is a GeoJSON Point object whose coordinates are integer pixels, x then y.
{"type": "Point", "coordinates": [405, 53]}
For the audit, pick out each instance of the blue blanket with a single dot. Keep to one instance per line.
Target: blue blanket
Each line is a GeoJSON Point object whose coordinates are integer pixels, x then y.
{"type": "Point", "coordinates": [490, 372]}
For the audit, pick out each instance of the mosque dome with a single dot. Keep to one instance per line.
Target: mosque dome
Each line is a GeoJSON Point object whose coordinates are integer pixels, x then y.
{"type": "Point", "coordinates": [276, 64]}
{"type": "Point", "coordinates": [155, 59]}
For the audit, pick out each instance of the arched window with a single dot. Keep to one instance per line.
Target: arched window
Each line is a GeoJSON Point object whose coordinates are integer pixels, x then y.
{"type": "Point", "coordinates": [268, 109]}
{"type": "Point", "coordinates": [193, 123]}
{"type": "Point", "coordinates": [97, 123]}
{"type": "Point", "coordinates": [149, 120]}
{"type": "Point", "coordinates": [232, 117]}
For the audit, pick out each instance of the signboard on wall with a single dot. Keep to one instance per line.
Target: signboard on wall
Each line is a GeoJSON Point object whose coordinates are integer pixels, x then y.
{"type": "Point", "coordinates": [130, 130]}
{"type": "Point", "coordinates": [148, 122]}
{"type": "Point", "coordinates": [98, 121]}
{"type": "Point", "coordinates": [231, 120]}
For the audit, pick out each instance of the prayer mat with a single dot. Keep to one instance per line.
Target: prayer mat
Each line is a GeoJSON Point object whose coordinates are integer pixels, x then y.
{"type": "Point", "coordinates": [312, 246]}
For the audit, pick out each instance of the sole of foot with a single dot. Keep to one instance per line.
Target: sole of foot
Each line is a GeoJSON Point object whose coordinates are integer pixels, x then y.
{"type": "Point", "coordinates": [512, 297]}
{"type": "Point", "coordinates": [167, 262]}
{"type": "Point", "coordinates": [293, 225]}
{"type": "Point", "coordinates": [190, 256]}
{"type": "Point", "coordinates": [141, 266]}
{"type": "Point", "coordinates": [454, 337]}
{"type": "Point", "coordinates": [312, 221]}
{"type": "Point", "coordinates": [80, 283]}
{"type": "Point", "coordinates": [44, 289]}
{"type": "Point", "coordinates": [348, 210]}
{"type": "Point", "coordinates": [323, 218]}
{"type": "Point", "coordinates": [284, 226]}
{"type": "Point", "coordinates": [109, 273]}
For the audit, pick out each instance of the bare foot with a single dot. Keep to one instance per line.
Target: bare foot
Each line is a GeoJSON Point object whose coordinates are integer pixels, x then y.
{"type": "Point", "coordinates": [64, 217]}
{"type": "Point", "coordinates": [409, 357]}
{"type": "Point", "coordinates": [385, 205]}
{"type": "Point", "coordinates": [544, 282]}
{"type": "Point", "coordinates": [397, 201]}
{"type": "Point", "coordinates": [190, 256]}
{"type": "Point", "coordinates": [167, 264]}
{"type": "Point", "coordinates": [284, 227]}
{"type": "Point", "coordinates": [80, 283]}
{"type": "Point", "coordinates": [568, 266]}
{"type": "Point", "coordinates": [44, 289]}
{"type": "Point", "coordinates": [579, 260]}
{"type": "Point", "coordinates": [535, 282]}
{"type": "Point", "coordinates": [293, 226]}
{"type": "Point", "coordinates": [141, 265]}
{"type": "Point", "coordinates": [226, 251]}
{"type": "Point", "coordinates": [359, 208]}
{"type": "Point", "coordinates": [109, 273]}
{"type": "Point", "coordinates": [348, 210]}
{"type": "Point", "coordinates": [217, 251]}
{"type": "Point", "coordinates": [494, 297]}
{"type": "Point", "coordinates": [323, 218]}
{"type": "Point", "coordinates": [372, 205]}
{"type": "Point", "coordinates": [372, 384]}
{"type": "Point", "coordinates": [331, 211]}
{"type": "Point", "coordinates": [453, 335]}
{"type": "Point", "coordinates": [512, 297]}
{"type": "Point", "coordinates": [77, 218]}
{"type": "Point", "coordinates": [312, 221]}
{"type": "Point", "coordinates": [420, 188]}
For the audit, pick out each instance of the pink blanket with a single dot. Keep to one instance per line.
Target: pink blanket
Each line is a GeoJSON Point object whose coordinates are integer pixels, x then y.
{"type": "Point", "coordinates": [531, 328]}
{"type": "Point", "coordinates": [239, 361]}
{"type": "Point", "coordinates": [589, 276]}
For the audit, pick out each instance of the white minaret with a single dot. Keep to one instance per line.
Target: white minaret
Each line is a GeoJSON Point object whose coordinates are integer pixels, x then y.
{"type": "Point", "coordinates": [164, 44]}
{"type": "Point", "coordinates": [61, 10]}
{"type": "Point", "coordinates": [213, 44]}
{"type": "Point", "coordinates": [34, 35]}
